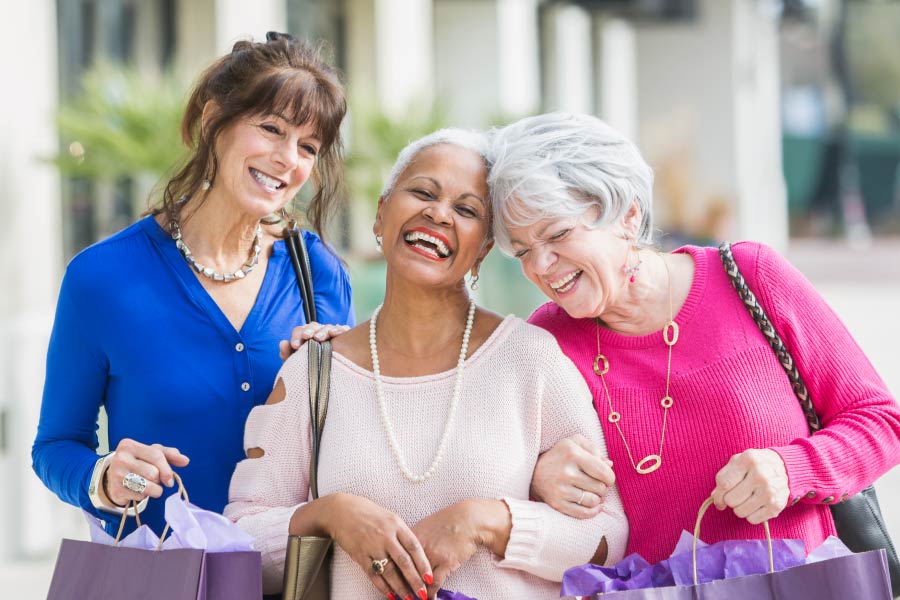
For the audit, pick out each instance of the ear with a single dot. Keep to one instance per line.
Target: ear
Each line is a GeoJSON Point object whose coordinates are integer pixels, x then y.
{"type": "Point", "coordinates": [377, 226]}
{"type": "Point", "coordinates": [631, 221]}
{"type": "Point", "coordinates": [482, 255]}
{"type": "Point", "coordinates": [210, 110]}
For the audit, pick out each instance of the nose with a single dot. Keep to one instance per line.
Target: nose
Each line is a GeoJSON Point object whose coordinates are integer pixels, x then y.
{"type": "Point", "coordinates": [287, 155]}
{"type": "Point", "coordinates": [439, 212]}
{"type": "Point", "coordinates": [543, 259]}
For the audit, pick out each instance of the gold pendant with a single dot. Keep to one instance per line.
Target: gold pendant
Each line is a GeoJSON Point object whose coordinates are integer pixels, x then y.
{"type": "Point", "coordinates": [654, 461]}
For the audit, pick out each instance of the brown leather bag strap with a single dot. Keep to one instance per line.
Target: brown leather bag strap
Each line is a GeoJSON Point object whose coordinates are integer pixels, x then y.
{"type": "Point", "coordinates": [768, 331]}
{"type": "Point", "coordinates": [319, 388]}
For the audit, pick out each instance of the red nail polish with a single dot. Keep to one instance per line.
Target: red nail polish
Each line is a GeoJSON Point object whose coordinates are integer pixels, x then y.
{"type": "Point", "coordinates": [391, 597]}
{"type": "Point", "coordinates": [428, 578]}
{"type": "Point", "coordinates": [422, 594]}
{"type": "Point", "coordinates": [409, 597]}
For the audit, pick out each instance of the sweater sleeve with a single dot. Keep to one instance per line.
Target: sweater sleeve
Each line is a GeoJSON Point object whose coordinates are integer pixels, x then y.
{"type": "Point", "coordinates": [545, 542]}
{"type": "Point", "coordinates": [860, 436]}
{"type": "Point", "coordinates": [265, 492]}
{"type": "Point", "coordinates": [64, 450]}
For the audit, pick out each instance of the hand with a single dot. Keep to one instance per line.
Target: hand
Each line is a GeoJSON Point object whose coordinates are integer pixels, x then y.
{"type": "Point", "coordinates": [574, 465]}
{"type": "Point", "coordinates": [153, 463]}
{"type": "Point", "coordinates": [305, 332]}
{"type": "Point", "coordinates": [373, 533]}
{"type": "Point", "coordinates": [755, 484]}
{"type": "Point", "coordinates": [451, 536]}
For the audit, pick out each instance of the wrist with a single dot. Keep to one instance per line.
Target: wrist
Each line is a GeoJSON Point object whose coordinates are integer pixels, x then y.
{"type": "Point", "coordinates": [97, 489]}
{"type": "Point", "coordinates": [315, 518]}
{"type": "Point", "coordinates": [492, 522]}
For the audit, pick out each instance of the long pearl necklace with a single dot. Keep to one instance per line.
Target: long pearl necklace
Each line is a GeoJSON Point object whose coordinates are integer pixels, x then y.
{"type": "Point", "coordinates": [207, 271]}
{"type": "Point", "coordinates": [454, 401]}
{"type": "Point", "coordinates": [651, 462]}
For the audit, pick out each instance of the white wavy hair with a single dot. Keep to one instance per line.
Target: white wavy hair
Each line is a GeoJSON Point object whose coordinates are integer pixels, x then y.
{"type": "Point", "coordinates": [560, 165]}
{"type": "Point", "coordinates": [464, 138]}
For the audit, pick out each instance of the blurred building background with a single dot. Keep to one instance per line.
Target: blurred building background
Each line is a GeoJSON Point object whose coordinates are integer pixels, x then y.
{"type": "Point", "coordinates": [774, 120]}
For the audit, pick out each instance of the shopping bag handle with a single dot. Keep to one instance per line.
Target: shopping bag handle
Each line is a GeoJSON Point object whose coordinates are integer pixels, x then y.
{"type": "Point", "coordinates": [181, 492]}
{"type": "Point", "coordinates": [130, 507]}
{"type": "Point", "coordinates": [703, 508]}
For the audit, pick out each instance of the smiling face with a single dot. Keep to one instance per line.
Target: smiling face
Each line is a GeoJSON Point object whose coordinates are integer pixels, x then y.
{"type": "Point", "coordinates": [435, 222]}
{"type": "Point", "coordinates": [263, 161]}
{"type": "Point", "coordinates": [578, 268]}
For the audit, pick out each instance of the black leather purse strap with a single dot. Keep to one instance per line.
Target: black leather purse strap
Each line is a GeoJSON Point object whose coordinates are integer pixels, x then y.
{"type": "Point", "coordinates": [768, 330]}
{"type": "Point", "coordinates": [296, 246]}
{"type": "Point", "coordinates": [319, 388]}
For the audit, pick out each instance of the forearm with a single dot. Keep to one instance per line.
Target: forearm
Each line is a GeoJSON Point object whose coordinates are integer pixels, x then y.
{"type": "Point", "coordinates": [65, 467]}
{"type": "Point", "coordinates": [317, 518]}
{"type": "Point", "coordinates": [493, 523]}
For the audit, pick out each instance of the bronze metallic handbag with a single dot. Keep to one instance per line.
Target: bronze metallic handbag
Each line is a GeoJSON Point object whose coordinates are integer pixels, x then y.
{"type": "Point", "coordinates": [857, 519]}
{"type": "Point", "coordinates": [307, 562]}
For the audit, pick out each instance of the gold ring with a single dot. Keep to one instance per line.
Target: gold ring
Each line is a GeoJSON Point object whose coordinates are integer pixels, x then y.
{"type": "Point", "coordinates": [379, 565]}
{"type": "Point", "coordinates": [580, 498]}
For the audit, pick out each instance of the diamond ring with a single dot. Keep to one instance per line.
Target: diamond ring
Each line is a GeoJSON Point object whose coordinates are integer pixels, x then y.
{"type": "Point", "coordinates": [135, 483]}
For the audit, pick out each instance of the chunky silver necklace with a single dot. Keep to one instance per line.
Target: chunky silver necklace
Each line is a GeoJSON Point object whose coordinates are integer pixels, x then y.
{"type": "Point", "coordinates": [207, 271]}
{"type": "Point", "coordinates": [454, 400]}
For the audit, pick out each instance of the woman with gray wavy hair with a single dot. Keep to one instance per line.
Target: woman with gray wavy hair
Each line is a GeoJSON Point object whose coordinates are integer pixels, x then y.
{"type": "Point", "coordinates": [692, 400]}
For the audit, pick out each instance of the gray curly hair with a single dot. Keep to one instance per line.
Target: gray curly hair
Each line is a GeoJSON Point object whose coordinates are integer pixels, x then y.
{"type": "Point", "coordinates": [560, 165]}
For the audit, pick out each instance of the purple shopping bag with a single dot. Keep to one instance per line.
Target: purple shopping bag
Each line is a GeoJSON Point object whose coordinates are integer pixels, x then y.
{"type": "Point", "coordinates": [88, 571]}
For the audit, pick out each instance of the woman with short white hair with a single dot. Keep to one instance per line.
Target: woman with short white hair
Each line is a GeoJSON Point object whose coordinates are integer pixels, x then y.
{"type": "Point", "coordinates": [691, 398]}
{"type": "Point", "coordinates": [438, 412]}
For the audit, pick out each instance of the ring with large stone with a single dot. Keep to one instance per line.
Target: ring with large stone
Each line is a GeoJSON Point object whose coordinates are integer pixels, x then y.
{"type": "Point", "coordinates": [379, 565]}
{"type": "Point", "coordinates": [135, 483]}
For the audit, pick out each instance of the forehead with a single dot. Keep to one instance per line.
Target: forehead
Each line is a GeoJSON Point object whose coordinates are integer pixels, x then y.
{"type": "Point", "coordinates": [449, 163]}
{"type": "Point", "coordinates": [537, 230]}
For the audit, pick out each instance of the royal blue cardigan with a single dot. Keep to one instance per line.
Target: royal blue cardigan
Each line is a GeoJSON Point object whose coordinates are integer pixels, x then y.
{"type": "Point", "coordinates": [136, 332]}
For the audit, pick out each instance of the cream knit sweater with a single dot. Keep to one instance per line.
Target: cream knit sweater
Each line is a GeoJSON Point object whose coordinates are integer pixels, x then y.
{"type": "Point", "coordinates": [519, 396]}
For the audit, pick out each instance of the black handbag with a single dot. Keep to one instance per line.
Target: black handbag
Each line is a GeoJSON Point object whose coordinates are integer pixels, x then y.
{"type": "Point", "coordinates": [296, 246]}
{"type": "Point", "coordinates": [857, 519]}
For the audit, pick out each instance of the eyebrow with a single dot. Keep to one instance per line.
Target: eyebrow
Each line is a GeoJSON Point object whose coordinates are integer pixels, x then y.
{"type": "Point", "coordinates": [313, 137]}
{"type": "Point", "coordinates": [540, 234]}
{"type": "Point", "coordinates": [437, 184]}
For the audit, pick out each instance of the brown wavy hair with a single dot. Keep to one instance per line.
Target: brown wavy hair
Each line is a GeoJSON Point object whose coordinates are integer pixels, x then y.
{"type": "Point", "coordinates": [282, 76]}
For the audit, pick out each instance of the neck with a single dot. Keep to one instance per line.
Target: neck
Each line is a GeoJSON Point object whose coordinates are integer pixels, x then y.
{"type": "Point", "coordinates": [420, 323]}
{"type": "Point", "coordinates": [220, 235]}
{"type": "Point", "coordinates": [643, 306]}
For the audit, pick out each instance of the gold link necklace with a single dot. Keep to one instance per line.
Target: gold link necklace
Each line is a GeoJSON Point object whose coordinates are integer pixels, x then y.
{"type": "Point", "coordinates": [651, 462]}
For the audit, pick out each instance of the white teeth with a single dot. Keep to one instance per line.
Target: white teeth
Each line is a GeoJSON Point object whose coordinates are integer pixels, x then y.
{"type": "Point", "coordinates": [415, 236]}
{"type": "Point", "coordinates": [563, 285]}
{"type": "Point", "coordinates": [270, 183]}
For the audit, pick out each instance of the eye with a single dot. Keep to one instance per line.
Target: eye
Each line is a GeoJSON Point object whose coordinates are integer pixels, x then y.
{"type": "Point", "coordinates": [466, 210]}
{"type": "Point", "coordinates": [521, 253]}
{"type": "Point", "coordinates": [270, 128]}
{"type": "Point", "coordinates": [559, 235]}
{"type": "Point", "coordinates": [310, 149]}
{"type": "Point", "coordinates": [425, 194]}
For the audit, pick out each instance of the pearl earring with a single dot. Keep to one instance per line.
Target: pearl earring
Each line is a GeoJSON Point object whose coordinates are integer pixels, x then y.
{"type": "Point", "coordinates": [474, 284]}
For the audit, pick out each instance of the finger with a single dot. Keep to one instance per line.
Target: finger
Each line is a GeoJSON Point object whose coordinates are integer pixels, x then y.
{"type": "Point", "coordinates": [586, 499]}
{"type": "Point", "coordinates": [585, 444]}
{"type": "Point", "coordinates": [740, 494]}
{"type": "Point", "coordinates": [597, 469]}
{"type": "Point", "coordinates": [748, 507]}
{"type": "Point", "coordinates": [727, 478]}
{"type": "Point", "coordinates": [583, 481]}
{"type": "Point", "coordinates": [408, 569]}
{"type": "Point", "coordinates": [120, 494]}
{"type": "Point", "coordinates": [156, 456]}
{"type": "Point", "coordinates": [414, 548]}
{"type": "Point", "coordinates": [379, 582]}
{"type": "Point", "coordinates": [441, 572]}
{"type": "Point", "coordinates": [395, 581]}
{"type": "Point", "coordinates": [175, 457]}
{"type": "Point", "coordinates": [284, 349]}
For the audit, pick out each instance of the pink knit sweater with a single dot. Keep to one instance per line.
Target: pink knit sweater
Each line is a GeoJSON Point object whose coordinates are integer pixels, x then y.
{"type": "Point", "coordinates": [519, 396]}
{"type": "Point", "coordinates": [730, 395]}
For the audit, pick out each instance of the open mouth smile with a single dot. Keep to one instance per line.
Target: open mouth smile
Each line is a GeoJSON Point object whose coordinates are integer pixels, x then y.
{"type": "Point", "coordinates": [564, 284]}
{"type": "Point", "coordinates": [428, 244]}
{"type": "Point", "coordinates": [271, 184]}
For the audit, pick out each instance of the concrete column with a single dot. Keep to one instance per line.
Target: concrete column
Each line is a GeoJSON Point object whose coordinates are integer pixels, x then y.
{"type": "Point", "coordinates": [569, 72]}
{"type": "Point", "coordinates": [209, 28]}
{"type": "Point", "coordinates": [404, 54]}
{"type": "Point", "coordinates": [30, 239]}
{"type": "Point", "coordinates": [518, 57]}
{"type": "Point", "coordinates": [616, 59]}
{"type": "Point", "coordinates": [709, 121]}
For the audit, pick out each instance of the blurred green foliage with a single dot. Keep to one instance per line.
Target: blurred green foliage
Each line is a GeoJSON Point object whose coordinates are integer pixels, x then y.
{"type": "Point", "coordinates": [121, 123]}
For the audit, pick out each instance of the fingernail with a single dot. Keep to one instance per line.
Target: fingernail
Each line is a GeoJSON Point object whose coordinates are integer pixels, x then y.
{"type": "Point", "coordinates": [295, 343]}
{"type": "Point", "coordinates": [422, 594]}
{"type": "Point", "coordinates": [392, 596]}
{"type": "Point", "coordinates": [409, 597]}
{"type": "Point", "coordinates": [428, 578]}
{"type": "Point", "coordinates": [170, 481]}
{"type": "Point", "coordinates": [320, 335]}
